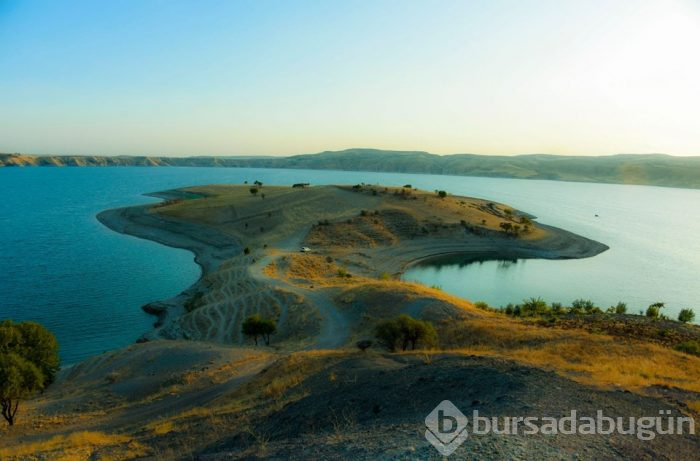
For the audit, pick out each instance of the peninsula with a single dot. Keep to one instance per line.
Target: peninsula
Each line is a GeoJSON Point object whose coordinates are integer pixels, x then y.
{"type": "Point", "coordinates": [324, 264]}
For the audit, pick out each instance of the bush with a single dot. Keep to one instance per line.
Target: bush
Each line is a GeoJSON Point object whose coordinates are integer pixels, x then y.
{"type": "Point", "coordinates": [689, 347]}
{"type": "Point", "coordinates": [442, 194]}
{"type": "Point", "coordinates": [28, 363]}
{"type": "Point", "coordinates": [364, 344]}
{"type": "Point", "coordinates": [534, 306]}
{"type": "Point", "coordinates": [654, 309]}
{"type": "Point", "coordinates": [254, 190]}
{"type": "Point", "coordinates": [482, 305]}
{"type": "Point", "coordinates": [621, 308]}
{"type": "Point", "coordinates": [246, 251]}
{"type": "Point", "coordinates": [255, 327]}
{"type": "Point", "coordinates": [557, 308]}
{"type": "Point", "coordinates": [404, 332]}
{"type": "Point", "coordinates": [686, 315]}
{"type": "Point", "coordinates": [584, 305]}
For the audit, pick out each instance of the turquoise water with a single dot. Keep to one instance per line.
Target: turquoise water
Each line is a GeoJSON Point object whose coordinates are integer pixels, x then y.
{"type": "Point", "coordinates": [61, 267]}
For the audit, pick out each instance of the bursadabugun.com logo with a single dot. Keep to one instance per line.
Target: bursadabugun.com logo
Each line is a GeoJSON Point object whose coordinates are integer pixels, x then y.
{"type": "Point", "coordinates": [448, 427]}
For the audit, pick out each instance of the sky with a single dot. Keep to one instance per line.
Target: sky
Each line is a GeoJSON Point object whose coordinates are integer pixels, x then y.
{"type": "Point", "coordinates": [264, 77]}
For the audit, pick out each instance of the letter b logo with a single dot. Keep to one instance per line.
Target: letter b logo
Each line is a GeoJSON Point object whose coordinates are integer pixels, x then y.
{"type": "Point", "coordinates": [447, 428]}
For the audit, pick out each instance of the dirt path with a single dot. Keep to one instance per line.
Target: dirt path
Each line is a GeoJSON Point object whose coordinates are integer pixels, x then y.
{"type": "Point", "coordinates": [334, 326]}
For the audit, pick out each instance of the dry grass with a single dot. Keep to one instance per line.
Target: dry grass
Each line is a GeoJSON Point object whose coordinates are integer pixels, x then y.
{"type": "Point", "coordinates": [284, 211]}
{"type": "Point", "coordinates": [312, 268]}
{"type": "Point", "coordinates": [694, 405]}
{"type": "Point", "coordinates": [77, 446]}
{"type": "Point", "coordinates": [584, 357]}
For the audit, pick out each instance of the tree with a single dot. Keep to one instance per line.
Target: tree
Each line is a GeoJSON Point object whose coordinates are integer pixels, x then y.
{"type": "Point", "coordinates": [586, 305]}
{"type": "Point", "coordinates": [442, 194]}
{"type": "Point", "coordinates": [621, 308]}
{"type": "Point", "coordinates": [654, 309]}
{"type": "Point", "coordinates": [19, 379]}
{"type": "Point", "coordinates": [32, 342]}
{"type": "Point", "coordinates": [686, 315]}
{"type": "Point", "coordinates": [506, 226]}
{"type": "Point", "coordinates": [533, 306]}
{"type": "Point", "coordinates": [364, 344]}
{"type": "Point", "coordinates": [404, 332]}
{"type": "Point", "coordinates": [254, 190]}
{"type": "Point", "coordinates": [388, 334]}
{"type": "Point", "coordinates": [256, 327]}
{"type": "Point", "coordinates": [28, 363]}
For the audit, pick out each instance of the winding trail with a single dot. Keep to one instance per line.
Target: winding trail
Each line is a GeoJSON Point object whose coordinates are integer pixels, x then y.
{"type": "Point", "coordinates": [334, 326]}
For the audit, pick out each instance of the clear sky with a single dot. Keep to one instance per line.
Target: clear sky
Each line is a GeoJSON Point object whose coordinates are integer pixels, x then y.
{"type": "Point", "coordinates": [281, 77]}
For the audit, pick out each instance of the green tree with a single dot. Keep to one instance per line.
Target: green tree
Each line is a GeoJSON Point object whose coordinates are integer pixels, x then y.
{"type": "Point", "coordinates": [258, 327]}
{"type": "Point", "coordinates": [534, 306]}
{"type": "Point", "coordinates": [404, 332]}
{"type": "Point", "coordinates": [32, 342]}
{"type": "Point", "coordinates": [686, 315]}
{"type": "Point", "coordinates": [654, 309]}
{"type": "Point", "coordinates": [389, 335]}
{"type": "Point", "coordinates": [442, 194]}
{"type": "Point", "coordinates": [621, 308]}
{"type": "Point", "coordinates": [254, 190]}
{"type": "Point", "coordinates": [19, 379]}
{"type": "Point", "coordinates": [584, 305]}
{"type": "Point", "coordinates": [28, 363]}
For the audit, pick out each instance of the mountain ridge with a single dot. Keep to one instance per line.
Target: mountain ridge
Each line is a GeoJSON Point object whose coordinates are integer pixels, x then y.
{"type": "Point", "coordinates": [641, 169]}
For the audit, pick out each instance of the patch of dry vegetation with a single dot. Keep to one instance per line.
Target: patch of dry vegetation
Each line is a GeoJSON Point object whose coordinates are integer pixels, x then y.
{"type": "Point", "coordinates": [77, 446]}
{"type": "Point", "coordinates": [594, 359]}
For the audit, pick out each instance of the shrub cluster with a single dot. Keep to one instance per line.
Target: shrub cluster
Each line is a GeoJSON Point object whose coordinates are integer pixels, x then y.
{"type": "Point", "coordinates": [405, 332]}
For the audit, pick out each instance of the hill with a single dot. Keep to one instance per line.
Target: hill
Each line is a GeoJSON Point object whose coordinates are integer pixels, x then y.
{"type": "Point", "coordinates": [208, 393]}
{"type": "Point", "coordinates": [651, 169]}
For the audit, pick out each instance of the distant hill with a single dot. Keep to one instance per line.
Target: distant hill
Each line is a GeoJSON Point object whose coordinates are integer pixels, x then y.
{"type": "Point", "coordinates": [650, 169]}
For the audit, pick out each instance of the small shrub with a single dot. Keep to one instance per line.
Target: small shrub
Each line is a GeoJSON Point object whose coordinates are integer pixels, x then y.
{"type": "Point", "coordinates": [585, 305]}
{"type": "Point", "coordinates": [654, 309]}
{"type": "Point", "coordinates": [246, 251]}
{"type": "Point", "coordinates": [442, 194]}
{"type": "Point", "coordinates": [385, 276]}
{"type": "Point", "coordinates": [557, 308]}
{"type": "Point", "coordinates": [256, 326]}
{"type": "Point", "coordinates": [329, 259]}
{"type": "Point", "coordinates": [364, 344]}
{"type": "Point", "coordinates": [686, 315]}
{"type": "Point", "coordinates": [404, 332]}
{"type": "Point", "coordinates": [482, 305]}
{"type": "Point", "coordinates": [621, 308]}
{"type": "Point", "coordinates": [689, 347]}
{"type": "Point", "coordinates": [534, 306]}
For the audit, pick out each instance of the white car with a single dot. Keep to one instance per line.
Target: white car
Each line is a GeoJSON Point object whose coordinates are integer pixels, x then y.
{"type": "Point", "coordinates": [305, 249]}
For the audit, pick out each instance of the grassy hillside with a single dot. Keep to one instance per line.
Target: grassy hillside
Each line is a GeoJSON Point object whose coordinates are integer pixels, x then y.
{"type": "Point", "coordinates": [655, 169]}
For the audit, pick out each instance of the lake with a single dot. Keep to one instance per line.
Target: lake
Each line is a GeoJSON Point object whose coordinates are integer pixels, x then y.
{"type": "Point", "coordinates": [61, 267]}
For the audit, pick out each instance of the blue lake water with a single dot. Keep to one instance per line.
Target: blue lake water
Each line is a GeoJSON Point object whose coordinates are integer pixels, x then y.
{"type": "Point", "coordinates": [61, 267]}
